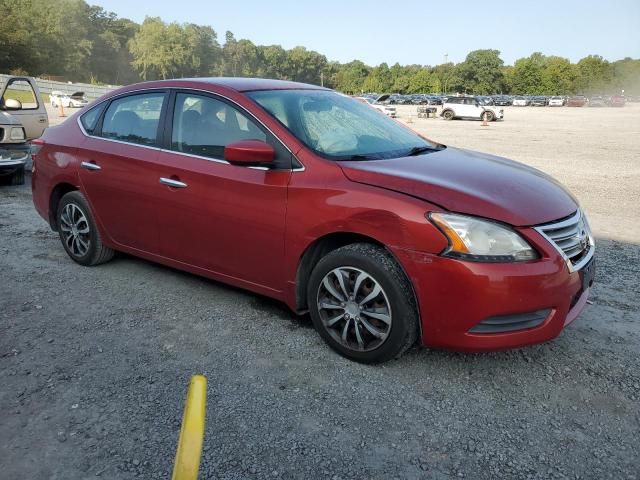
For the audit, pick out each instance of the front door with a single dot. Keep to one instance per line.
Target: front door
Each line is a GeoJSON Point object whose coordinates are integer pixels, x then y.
{"type": "Point", "coordinates": [33, 113]}
{"type": "Point", "coordinates": [226, 219]}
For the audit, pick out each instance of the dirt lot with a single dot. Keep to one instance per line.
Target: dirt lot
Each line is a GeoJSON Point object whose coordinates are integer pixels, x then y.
{"type": "Point", "coordinates": [94, 362]}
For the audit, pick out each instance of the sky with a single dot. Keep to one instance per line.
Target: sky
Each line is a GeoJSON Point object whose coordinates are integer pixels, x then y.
{"type": "Point", "coordinates": [412, 31]}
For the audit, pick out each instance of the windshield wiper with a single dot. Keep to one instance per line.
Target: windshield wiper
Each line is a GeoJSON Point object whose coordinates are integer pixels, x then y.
{"type": "Point", "coordinates": [419, 150]}
{"type": "Point", "coordinates": [357, 157]}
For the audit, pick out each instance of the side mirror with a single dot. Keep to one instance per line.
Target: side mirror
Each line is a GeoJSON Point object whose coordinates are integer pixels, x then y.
{"type": "Point", "coordinates": [12, 104]}
{"type": "Point", "coordinates": [249, 152]}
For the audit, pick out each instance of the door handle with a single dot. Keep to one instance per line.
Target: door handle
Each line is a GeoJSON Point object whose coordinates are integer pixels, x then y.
{"type": "Point", "coordinates": [172, 183]}
{"type": "Point", "coordinates": [90, 166]}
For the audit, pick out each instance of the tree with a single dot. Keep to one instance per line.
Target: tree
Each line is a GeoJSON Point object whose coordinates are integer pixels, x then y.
{"type": "Point", "coordinates": [481, 71]}
{"type": "Point", "coordinates": [447, 76]}
{"type": "Point", "coordinates": [422, 81]}
{"type": "Point", "coordinates": [558, 76]}
{"type": "Point", "coordinates": [527, 74]}
{"type": "Point", "coordinates": [594, 74]}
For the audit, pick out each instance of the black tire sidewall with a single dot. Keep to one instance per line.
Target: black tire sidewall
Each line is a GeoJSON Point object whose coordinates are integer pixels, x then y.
{"type": "Point", "coordinates": [78, 199]}
{"type": "Point", "coordinates": [404, 316]}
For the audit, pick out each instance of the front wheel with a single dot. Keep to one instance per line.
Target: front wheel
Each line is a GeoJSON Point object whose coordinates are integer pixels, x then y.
{"type": "Point", "coordinates": [362, 304]}
{"type": "Point", "coordinates": [78, 232]}
{"type": "Point", "coordinates": [447, 115]}
{"type": "Point", "coordinates": [488, 116]}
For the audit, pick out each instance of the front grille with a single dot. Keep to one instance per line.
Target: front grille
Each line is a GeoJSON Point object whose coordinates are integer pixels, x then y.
{"type": "Point", "coordinates": [572, 238]}
{"type": "Point", "coordinates": [511, 323]}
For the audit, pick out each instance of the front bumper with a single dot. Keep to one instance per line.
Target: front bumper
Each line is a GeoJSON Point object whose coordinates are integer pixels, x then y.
{"type": "Point", "coordinates": [456, 296]}
{"type": "Point", "coordinates": [14, 156]}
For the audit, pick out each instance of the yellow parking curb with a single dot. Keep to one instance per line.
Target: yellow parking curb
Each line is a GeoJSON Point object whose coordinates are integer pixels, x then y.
{"type": "Point", "coordinates": [187, 462]}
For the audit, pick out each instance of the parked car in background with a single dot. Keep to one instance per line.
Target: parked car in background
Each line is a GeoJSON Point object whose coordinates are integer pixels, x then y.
{"type": "Point", "coordinates": [576, 101]}
{"type": "Point", "coordinates": [23, 117]}
{"type": "Point", "coordinates": [484, 100]}
{"type": "Point", "coordinates": [378, 105]}
{"type": "Point", "coordinates": [539, 101]}
{"type": "Point", "coordinates": [386, 238]}
{"type": "Point", "coordinates": [470, 108]}
{"type": "Point", "coordinates": [616, 101]}
{"type": "Point", "coordinates": [502, 100]}
{"type": "Point", "coordinates": [556, 101]}
{"type": "Point", "coordinates": [76, 99]}
{"type": "Point", "coordinates": [520, 101]}
{"type": "Point", "coordinates": [598, 101]}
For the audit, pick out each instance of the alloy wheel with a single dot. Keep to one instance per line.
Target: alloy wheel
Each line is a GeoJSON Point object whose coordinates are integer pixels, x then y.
{"type": "Point", "coordinates": [75, 230]}
{"type": "Point", "coordinates": [354, 309]}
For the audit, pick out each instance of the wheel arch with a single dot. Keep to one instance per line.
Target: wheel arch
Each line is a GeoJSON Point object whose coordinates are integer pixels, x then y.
{"type": "Point", "coordinates": [326, 244]}
{"type": "Point", "coordinates": [59, 191]}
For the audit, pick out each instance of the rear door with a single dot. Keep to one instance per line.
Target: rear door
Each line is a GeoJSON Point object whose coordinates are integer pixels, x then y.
{"type": "Point", "coordinates": [119, 173]}
{"type": "Point", "coordinates": [223, 218]}
{"type": "Point", "coordinates": [33, 114]}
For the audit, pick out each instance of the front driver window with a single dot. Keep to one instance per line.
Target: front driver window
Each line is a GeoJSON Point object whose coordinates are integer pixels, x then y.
{"type": "Point", "coordinates": [204, 126]}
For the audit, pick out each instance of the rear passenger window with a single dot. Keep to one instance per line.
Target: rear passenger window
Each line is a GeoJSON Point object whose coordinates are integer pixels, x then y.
{"type": "Point", "coordinates": [134, 118]}
{"type": "Point", "coordinates": [90, 119]}
{"type": "Point", "coordinates": [203, 126]}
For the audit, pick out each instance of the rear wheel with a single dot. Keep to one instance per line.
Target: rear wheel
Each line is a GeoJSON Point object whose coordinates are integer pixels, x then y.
{"type": "Point", "coordinates": [78, 232]}
{"type": "Point", "coordinates": [447, 115]}
{"type": "Point", "coordinates": [362, 304]}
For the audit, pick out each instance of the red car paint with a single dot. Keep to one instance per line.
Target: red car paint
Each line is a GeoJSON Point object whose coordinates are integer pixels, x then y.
{"type": "Point", "coordinates": [251, 227]}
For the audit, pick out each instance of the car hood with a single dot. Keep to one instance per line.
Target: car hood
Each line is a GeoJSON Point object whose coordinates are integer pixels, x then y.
{"type": "Point", "coordinates": [472, 183]}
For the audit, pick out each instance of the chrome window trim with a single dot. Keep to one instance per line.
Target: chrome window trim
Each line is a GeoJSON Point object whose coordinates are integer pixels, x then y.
{"type": "Point", "coordinates": [216, 160]}
{"type": "Point", "coordinates": [573, 219]}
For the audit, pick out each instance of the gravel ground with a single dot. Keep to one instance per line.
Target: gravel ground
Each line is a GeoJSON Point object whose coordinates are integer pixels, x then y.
{"type": "Point", "coordinates": [94, 362]}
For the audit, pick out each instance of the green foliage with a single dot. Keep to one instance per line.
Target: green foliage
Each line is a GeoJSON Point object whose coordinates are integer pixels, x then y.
{"type": "Point", "coordinates": [481, 72]}
{"type": "Point", "coordinates": [82, 42]}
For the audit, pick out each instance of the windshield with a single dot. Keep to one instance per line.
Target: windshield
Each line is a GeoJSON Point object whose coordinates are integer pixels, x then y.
{"type": "Point", "coordinates": [339, 127]}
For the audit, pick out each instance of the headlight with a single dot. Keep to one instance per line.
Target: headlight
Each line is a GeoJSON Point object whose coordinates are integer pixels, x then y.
{"type": "Point", "coordinates": [17, 133]}
{"type": "Point", "coordinates": [479, 240]}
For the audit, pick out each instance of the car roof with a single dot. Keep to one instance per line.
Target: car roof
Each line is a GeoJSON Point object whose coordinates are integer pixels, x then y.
{"type": "Point", "coordinates": [242, 84]}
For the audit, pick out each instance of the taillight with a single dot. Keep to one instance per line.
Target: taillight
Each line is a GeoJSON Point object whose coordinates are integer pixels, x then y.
{"type": "Point", "coordinates": [36, 146]}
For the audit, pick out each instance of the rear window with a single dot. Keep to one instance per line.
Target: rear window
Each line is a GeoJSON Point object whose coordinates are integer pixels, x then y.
{"type": "Point", "coordinates": [134, 118]}
{"type": "Point", "coordinates": [89, 120]}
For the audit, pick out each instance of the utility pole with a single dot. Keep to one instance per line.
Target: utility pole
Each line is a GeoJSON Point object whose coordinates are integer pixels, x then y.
{"type": "Point", "coordinates": [322, 79]}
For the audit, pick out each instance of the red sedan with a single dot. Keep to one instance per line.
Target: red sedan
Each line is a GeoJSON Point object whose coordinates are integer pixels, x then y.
{"type": "Point", "coordinates": [308, 196]}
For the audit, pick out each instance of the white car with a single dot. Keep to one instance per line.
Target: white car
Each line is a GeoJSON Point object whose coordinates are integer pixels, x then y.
{"type": "Point", "coordinates": [74, 100]}
{"type": "Point", "coordinates": [556, 101]}
{"type": "Point", "coordinates": [378, 105]}
{"type": "Point", "coordinates": [470, 107]}
{"type": "Point", "coordinates": [520, 102]}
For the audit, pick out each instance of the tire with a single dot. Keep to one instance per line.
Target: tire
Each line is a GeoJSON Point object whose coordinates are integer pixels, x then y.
{"type": "Point", "coordinates": [73, 217]}
{"type": "Point", "coordinates": [369, 338]}
{"type": "Point", "coordinates": [489, 116]}
{"type": "Point", "coordinates": [17, 177]}
{"type": "Point", "coordinates": [447, 115]}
